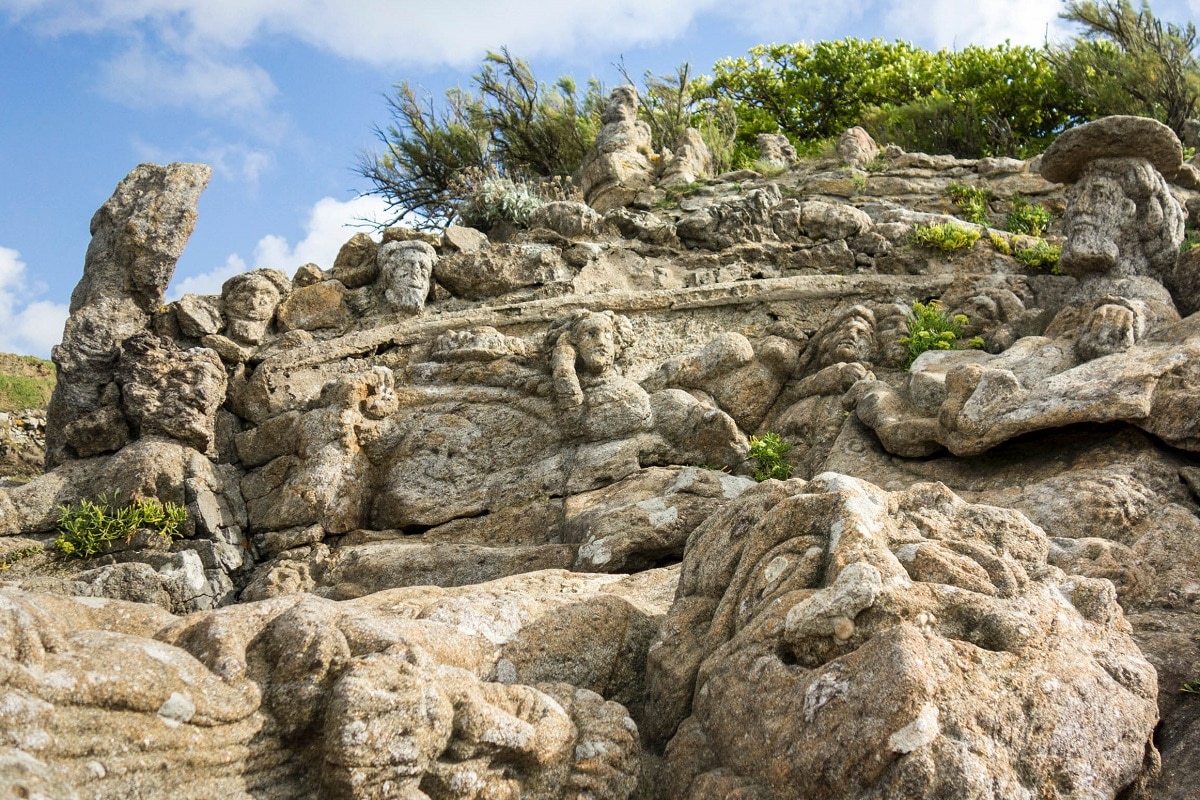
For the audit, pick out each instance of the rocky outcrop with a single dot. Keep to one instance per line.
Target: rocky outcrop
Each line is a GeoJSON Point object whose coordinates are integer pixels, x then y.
{"type": "Point", "coordinates": [137, 236]}
{"type": "Point", "coordinates": [619, 165]}
{"type": "Point", "coordinates": [438, 492]}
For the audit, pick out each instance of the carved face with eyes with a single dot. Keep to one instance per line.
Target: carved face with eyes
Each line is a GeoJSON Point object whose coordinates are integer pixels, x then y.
{"type": "Point", "coordinates": [595, 343]}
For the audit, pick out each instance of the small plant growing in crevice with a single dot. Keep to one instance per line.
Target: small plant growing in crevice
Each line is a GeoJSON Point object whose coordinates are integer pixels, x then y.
{"type": "Point", "coordinates": [9, 559]}
{"type": "Point", "coordinates": [1000, 244]}
{"type": "Point", "coordinates": [769, 452]}
{"type": "Point", "coordinates": [88, 528]}
{"type": "Point", "coordinates": [1027, 218]}
{"type": "Point", "coordinates": [947, 237]}
{"type": "Point", "coordinates": [931, 328]}
{"type": "Point", "coordinates": [1190, 240]}
{"type": "Point", "coordinates": [1041, 255]}
{"type": "Point", "coordinates": [972, 202]}
{"type": "Point", "coordinates": [1191, 687]}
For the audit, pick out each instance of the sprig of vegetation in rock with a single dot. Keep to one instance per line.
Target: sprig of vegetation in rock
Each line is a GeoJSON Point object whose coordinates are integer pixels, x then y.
{"type": "Point", "coordinates": [931, 328]}
{"type": "Point", "coordinates": [946, 237]}
{"type": "Point", "coordinates": [90, 526]}
{"type": "Point", "coordinates": [769, 452]}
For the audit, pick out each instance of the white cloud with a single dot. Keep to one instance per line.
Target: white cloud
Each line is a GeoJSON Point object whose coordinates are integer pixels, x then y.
{"type": "Point", "coordinates": [143, 78]}
{"type": "Point", "coordinates": [330, 223]}
{"type": "Point", "coordinates": [952, 23]}
{"type": "Point", "coordinates": [27, 327]}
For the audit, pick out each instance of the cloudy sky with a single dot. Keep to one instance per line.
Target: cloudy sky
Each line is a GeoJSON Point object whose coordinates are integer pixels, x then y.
{"type": "Point", "coordinates": [280, 96]}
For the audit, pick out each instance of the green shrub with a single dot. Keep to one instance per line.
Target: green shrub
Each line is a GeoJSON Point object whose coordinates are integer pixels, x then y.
{"type": "Point", "coordinates": [1027, 218]}
{"type": "Point", "coordinates": [769, 452]}
{"type": "Point", "coordinates": [89, 527]}
{"type": "Point", "coordinates": [930, 328]}
{"type": "Point", "coordinates": [972, 202]}
{"type": "Point", "coordinates": [947, 237]}
{"type": "Point", "coordinates": [496, 200]}
{"type": "Point", "coordinates": [1041, 255]}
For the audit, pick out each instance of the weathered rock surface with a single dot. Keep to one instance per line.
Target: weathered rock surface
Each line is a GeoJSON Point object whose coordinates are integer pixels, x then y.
{"type": "Point", "coordinates": [137, 236]}
{"type": "Point", "coordinates": [797, 598]}
{"type": "Point", "coordinates": [358, 447]}
{"type": "Point", "coordinates": [619, 165]}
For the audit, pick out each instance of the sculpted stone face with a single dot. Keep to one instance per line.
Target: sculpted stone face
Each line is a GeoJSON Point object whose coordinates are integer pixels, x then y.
{"type": "Point", "coordinates": [596, 344]}
{"type": "Point", "coordinates": [852, 340]}
{"type": "Point", "coordinates": [250, 303]}
{"type": "Point", "coordinates": [1121, 220]}
{"type": "Point", "coordinates": [406, 270]}
{"type": "Point", "coordinates": [168, 392]}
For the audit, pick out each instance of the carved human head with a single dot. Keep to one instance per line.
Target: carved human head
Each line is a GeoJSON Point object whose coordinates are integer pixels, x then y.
{"type": "Point", "coordinates": [170, 392]}
{"type": "Point", "coordinates": [596, 337]}
{"type": "Point", "coordinates": [406, 274]}
{"type": "Point", "coordinates": [1121, 217]}
{"type": "Point", "coordinates": [250, 300]}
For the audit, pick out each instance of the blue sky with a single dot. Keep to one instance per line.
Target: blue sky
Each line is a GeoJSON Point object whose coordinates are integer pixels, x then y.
{"type": "Point", "coordinates": [281, 95]}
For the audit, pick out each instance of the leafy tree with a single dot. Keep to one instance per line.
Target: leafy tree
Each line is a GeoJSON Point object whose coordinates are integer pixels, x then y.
{"type": "Point", "coordinates": [1128, 61]}
{"type": "Point", "coordinates": [977, 101]}
{"type": "Point", "coordinates": [514, 127]}
{"type": "Point", "coordinates": [536, 129]}
{"type": "Point", "coordinates": [424, 151]}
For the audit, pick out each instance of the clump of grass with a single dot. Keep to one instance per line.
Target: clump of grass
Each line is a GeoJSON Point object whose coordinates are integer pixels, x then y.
{"type": "Point", "coordinates": [877, 164]}
{"type": "Point", "coordinates": [947, 237]}
{"type": "Point", "coordinates": [1040, 255]}
{"type": "Point", "coordinates": [89, 527]}
{"type": "Point", "coordinates": [931, 328]}
{"type": "Point", "coordinates": [1027, 218]}
{"type": "Point", "coordinates": [769, 169]}
{"type": "Point", "coordinates": [972, 202]}
{"type": "Point", "coordinates": [1190, 240]}
{"type": "Point", "coordinates": [769, 452]}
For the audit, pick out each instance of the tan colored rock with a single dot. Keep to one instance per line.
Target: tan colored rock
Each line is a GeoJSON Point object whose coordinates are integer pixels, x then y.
{"type": "Point", "coordinates": [500, 269]}
{"type": "Point", "coordinates": [137, 236]}
{"type": "Point", "coordinates": [355, 265]}
{"type": "Point", "coordinates": [775, 149]}
{"type": "Point", "coordinates": [865, 639]}
{"type": "Point", "coordinates": [464, 240]}
{"type": "Point", "coordinates": [567, 218]}
{"type": "Point", "coordinates": [691, 161]}
{"type": "Point", "coordinates": [856, 148]}
{"type": "Point", "coordinates": [1112, 137]}
{"type": "Point", "coordinates": [301, 697]}
{"type": "Point", "coordinates": [619, 165]}
{"type": "Point", "coordinates": [310, 308]}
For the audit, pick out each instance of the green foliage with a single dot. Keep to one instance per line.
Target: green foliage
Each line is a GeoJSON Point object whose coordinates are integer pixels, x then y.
{"type": "Point", "coordinates": [769, 452]}
{"type": "Point", "coordinates": [1190, 240]}
{"type": "Point", "coordinates": [1000, 244]}
{"type": "Point", "coordinates": [1127, 61]}
{"type": "Point", "coordinates": [18, 392]}
{"type": "Point", "coordinates": [971, 102]}
{"type": "Point", "coordinates": [946, 237]}
{"type": "Point", "coordinates": [1027, 218]}
{"type": "Point", "coordinates": [930, 328]}
{"type": "Point", "coordinates": [425, 150]}
{"type": "Point", "coordinates": [89, 527]}
{"type": "Point", "coordinates": [1041, 255]}
{"type": "Point", "coordinates": [25, 382]}
{"type": "Point", "coordinates": [496, 200]}
{"type": "Point", "coordinates": [515, 127]}
{"type": "Point", "coordinates": [1191, 687]}
{"type": "Point", "coordinates": [9, 559]}
{"type": "Point", "coordinates": [972, 201]}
